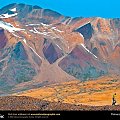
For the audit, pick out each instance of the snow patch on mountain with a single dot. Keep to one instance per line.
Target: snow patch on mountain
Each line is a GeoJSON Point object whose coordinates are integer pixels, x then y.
{"type": "Point", "coordinates": [59, 46]}
{"type": "Point", "coordinates": [32, 25]}
{"type": "Point", "coordinates": [13, 9]}
{"type": "Point", "coordinates": [45, 25]}
{"type": "Point", "coordinates": [24, 40]}
{"type": "Point", "coordinates": [88, 50]}
{"type": "Point", "coordinates": [37, 32]}
{"type": "Point", "coordinates": [42, 33]}
{"type": "Point", "coordinates": [54, 28]}
{"type": "Point", "coordinates": [16, 36]}
{"type": "Point", "coordinates": [83, 25]}
{"type": "Point", "coordinates": [81, 35]}
{"type": "Point", "coordinates": [9, 27]}
{"type": "Point", "coordinates": [7, 15]}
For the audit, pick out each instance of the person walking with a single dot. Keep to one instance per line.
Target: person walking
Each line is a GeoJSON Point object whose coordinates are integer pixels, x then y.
{"type": "Point", "coordinates": [114, 99]}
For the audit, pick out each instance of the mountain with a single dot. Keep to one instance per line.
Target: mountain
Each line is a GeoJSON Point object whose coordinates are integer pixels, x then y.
{"type": "Point", "coordinates": [32, 13]}
{"type": "Point", "coordinates": [83, 64]}
{"type": "Point", "coordinates": [42, 47]}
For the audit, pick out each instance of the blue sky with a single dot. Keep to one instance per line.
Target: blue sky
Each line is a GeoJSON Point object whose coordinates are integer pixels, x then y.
{"type": "Point", "coordinates": [75, 8]}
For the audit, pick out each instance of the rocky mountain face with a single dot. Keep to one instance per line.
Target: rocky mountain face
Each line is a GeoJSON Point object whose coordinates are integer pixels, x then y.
{"type": "Point", "coordinates": [42, 47]}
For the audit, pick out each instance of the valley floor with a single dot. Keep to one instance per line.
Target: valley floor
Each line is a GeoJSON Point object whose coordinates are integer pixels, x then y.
{"type": "Point", "coordinates": [29, 103]}
{"type": "Point", "coordinates": [93, 93]}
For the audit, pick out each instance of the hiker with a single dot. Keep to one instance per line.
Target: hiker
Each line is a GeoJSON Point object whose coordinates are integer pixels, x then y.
{"type": "Point", "coordinates": [114, 99]}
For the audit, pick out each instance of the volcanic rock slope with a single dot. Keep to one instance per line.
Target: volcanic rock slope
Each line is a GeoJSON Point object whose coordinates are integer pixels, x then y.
{"type": "Point", "coordinates": [40, 47]}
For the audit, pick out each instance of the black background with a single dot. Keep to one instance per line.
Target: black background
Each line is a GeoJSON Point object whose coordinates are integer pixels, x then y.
{"type": "Point", "coordinates": [72, 115]}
